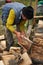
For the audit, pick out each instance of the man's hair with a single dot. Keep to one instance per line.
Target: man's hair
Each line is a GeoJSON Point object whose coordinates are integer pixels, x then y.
{"type": "Point", "coordinates": [28, 12]}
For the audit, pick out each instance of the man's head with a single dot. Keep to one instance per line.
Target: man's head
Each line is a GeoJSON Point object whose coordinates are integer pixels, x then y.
{"type": "Point", "coordinates": [27, 13]}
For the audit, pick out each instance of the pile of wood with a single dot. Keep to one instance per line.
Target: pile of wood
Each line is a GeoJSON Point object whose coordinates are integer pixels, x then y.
{"type": "Point", "coordinates": [17, 59]}
{"type": "Point", "coordinates": [15, 55]}
{"type": "Point", "coordinates": [37, 48]}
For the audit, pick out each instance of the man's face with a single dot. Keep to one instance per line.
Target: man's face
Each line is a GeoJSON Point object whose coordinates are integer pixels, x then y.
{"type": "Point", "coordinates": [24, 18]}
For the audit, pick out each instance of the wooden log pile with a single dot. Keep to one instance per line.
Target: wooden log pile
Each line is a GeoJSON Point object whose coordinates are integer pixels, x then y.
{"type": "Point", "coordinates": [37, 48]}
{"type": "Point", "coordinates": [14, 55]}
{"type": "Point", "coordinates": [15, 59]}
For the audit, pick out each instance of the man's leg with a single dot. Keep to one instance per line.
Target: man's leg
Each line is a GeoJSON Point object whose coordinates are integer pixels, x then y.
{"type": "Point", "coordinates": [9, 39]}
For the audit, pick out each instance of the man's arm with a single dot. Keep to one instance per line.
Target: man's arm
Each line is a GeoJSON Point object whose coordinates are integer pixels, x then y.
{"type": "Point", "coordinates": [10, 20]}
{"type": "Point", "coordinates": [9, 23]}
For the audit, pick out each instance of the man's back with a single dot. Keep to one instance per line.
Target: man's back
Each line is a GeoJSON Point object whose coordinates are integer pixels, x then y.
{"type": "Point", "coordinates": [17, 7]}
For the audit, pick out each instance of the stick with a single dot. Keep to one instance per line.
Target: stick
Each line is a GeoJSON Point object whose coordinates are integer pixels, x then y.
{"type": "Point", "coordinates": [38, 17]}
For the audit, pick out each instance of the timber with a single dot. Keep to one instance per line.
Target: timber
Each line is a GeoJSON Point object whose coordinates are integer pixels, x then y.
{"type": "Point", "coordinates": [38, 17]}
{"type": "Point", "coordinates": [1, 62]}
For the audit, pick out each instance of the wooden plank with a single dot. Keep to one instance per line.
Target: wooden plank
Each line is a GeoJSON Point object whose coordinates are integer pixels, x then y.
{"type": "Point", "coordinates": [38, 17]}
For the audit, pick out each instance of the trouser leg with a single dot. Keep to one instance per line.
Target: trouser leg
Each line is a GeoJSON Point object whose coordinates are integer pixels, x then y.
{"type": "Point", "coordinates": [9, 38]}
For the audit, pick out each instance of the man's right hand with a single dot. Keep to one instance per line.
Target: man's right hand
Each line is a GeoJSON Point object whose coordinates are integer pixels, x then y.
{"type": "Point", "coordinates": [18, 34]}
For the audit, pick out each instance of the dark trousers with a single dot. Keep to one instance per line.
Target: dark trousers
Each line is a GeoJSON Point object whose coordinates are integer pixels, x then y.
{"type": "Point", "coordinates": [9, 38]}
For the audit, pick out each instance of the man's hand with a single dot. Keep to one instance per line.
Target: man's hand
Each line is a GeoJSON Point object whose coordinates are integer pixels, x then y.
{"type": "Point", "coordinates": [23, 33]}
{"type": "Point", "coordinates": [18, 34]}
{"type": "Point", "coordinates": [19, 37]}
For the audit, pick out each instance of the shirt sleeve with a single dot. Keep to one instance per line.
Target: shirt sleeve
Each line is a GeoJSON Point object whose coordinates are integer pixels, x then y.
{"type": "Point", "coordinates": [10, 20]}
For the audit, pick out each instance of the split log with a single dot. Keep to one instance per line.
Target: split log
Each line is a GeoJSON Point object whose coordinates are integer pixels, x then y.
{"type": "Point", "coordinates": [26, 58]}
{"type": "Point", "coordinates": [1, 62]}
{"type": "Point", "coordinates": [2, 42]}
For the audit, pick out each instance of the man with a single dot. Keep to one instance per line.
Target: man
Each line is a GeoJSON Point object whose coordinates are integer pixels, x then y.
{"type": "Point", "coordinates": [7, 1]}
{"type": "Point", "coordinates": [40, 7]}
{"type": "Point", "coordinates": [18, 15]}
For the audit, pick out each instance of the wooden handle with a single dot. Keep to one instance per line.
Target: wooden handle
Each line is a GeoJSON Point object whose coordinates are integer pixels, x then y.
{"type": "Point", "coordinates": [25, 38]}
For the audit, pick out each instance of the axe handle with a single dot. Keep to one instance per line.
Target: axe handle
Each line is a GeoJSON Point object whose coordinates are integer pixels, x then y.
{"type": "Point", "coordinates": [23, 37]}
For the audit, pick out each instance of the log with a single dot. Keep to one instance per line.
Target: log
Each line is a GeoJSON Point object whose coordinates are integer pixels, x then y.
{"type": "Point", "coordinates": [2, 37]}
{"type": "Point", "coordinates": [2, 42]}
{"type": "Point", "coordinates": [15, 49]}
{"type": "Point", "coordinates": [3, 45]}
{"type": "Point", "coordinates": [40, 24]}
{"type": "Point", "coordinates": [26, 58]}
{"type": "Point", "coordinates": [7, 58]}
{"type": "Point", "coordinates": [38, 17]}
{"type": "Point", "coordinates": [26, 43]}
{"type": "Point", "coordinates": [39, 35]}
{"type": "Point", "coordinates": [1, 62]}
